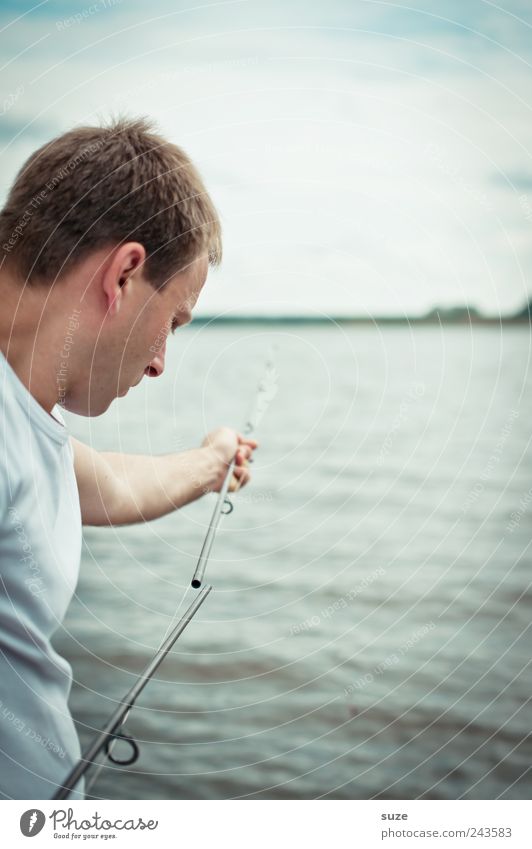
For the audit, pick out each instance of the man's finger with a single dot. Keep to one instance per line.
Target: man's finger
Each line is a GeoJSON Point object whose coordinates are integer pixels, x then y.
{"type": "Point", "coordinates": [243, 455]}
{"type": "Point", "coordinates": [247, 440]}
{"type": "Point", "coordinates": [241, 477]}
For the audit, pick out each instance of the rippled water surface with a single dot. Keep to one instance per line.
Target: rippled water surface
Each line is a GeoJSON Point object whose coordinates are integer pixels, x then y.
{"type": "Point", "coordinates": [369, 633]}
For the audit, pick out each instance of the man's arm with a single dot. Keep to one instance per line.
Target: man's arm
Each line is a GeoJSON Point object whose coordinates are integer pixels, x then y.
{"type": "Point", "coordinates": [119, 489]}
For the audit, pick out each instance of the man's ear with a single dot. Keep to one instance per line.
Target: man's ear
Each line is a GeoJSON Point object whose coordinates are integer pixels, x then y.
{"type": "Point", "coordinates": [124, 263]}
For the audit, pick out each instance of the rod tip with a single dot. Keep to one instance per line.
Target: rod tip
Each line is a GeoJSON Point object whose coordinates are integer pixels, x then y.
{"type": "Point", "coordinates": [196, 584]}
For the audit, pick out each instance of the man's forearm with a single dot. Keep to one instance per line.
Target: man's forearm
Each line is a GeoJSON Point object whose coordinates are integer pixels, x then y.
{"type": "Point", "coordinates": [152, 486]}
{"type": "Point", "coordinates": [119, 489]}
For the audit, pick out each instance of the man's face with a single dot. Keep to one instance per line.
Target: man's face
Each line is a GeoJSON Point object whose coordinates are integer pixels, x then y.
{"type": "Point", "coordinates": [133, 345]}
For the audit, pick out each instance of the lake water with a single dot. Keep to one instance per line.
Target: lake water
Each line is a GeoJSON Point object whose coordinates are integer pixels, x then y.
{"type": "Point", "coordinates": [369, 631]}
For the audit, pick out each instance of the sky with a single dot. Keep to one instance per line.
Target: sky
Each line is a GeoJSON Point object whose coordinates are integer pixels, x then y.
{"type": "Point", "coordinates": [366, 157]}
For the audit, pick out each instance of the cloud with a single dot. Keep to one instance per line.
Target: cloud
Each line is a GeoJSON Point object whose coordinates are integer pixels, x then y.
{"type": "Point", "coordinates": [361, 155]}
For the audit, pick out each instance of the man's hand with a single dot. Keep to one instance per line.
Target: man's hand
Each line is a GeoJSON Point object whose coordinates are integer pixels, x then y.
{"type": "Point", "coordinates": [224, 443]}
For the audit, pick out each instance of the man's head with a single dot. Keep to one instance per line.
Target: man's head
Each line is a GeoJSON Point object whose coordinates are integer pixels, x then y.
{"type": "Point", "coordinates": [116, 223]}
{"type": "Point", "coordinates": [98, 187]}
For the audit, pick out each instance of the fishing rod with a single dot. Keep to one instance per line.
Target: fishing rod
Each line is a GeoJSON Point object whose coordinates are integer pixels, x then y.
{"type": "Point", "coordinates": [113, 731]}
{"type": "Point", "coordinates": [266, 391]}
{"type": "Point", "coordinates": [222, 507]}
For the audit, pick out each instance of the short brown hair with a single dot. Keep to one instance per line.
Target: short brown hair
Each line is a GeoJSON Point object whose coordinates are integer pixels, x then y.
{"type": "Point", "coordinates": [94, 187]}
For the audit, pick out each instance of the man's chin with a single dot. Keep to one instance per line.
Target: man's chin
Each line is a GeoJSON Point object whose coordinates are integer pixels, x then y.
{"type": "Point", "coordinates": [90, 408]}
{"type": "Point", "coordinates": [91, 405]}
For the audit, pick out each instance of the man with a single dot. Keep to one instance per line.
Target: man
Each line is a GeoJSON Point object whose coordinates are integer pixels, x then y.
{"type": "Point", "coordinates": [106, 239]}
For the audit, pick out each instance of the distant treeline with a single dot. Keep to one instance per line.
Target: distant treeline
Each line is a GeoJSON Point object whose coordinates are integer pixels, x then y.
{"type": "Point", "coordinates": [437, 315]}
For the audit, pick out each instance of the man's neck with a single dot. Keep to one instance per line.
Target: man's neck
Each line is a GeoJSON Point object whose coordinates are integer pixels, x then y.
{"type": "Point", "coordinates": [29, 338]}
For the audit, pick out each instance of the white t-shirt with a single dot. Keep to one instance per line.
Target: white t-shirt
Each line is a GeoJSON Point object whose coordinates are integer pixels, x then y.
{"type": "Point", "coordinates": [40, 545]}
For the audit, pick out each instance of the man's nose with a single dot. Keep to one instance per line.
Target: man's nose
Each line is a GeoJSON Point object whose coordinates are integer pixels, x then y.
{"type": "Point", "coordinates": [156, 367]}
